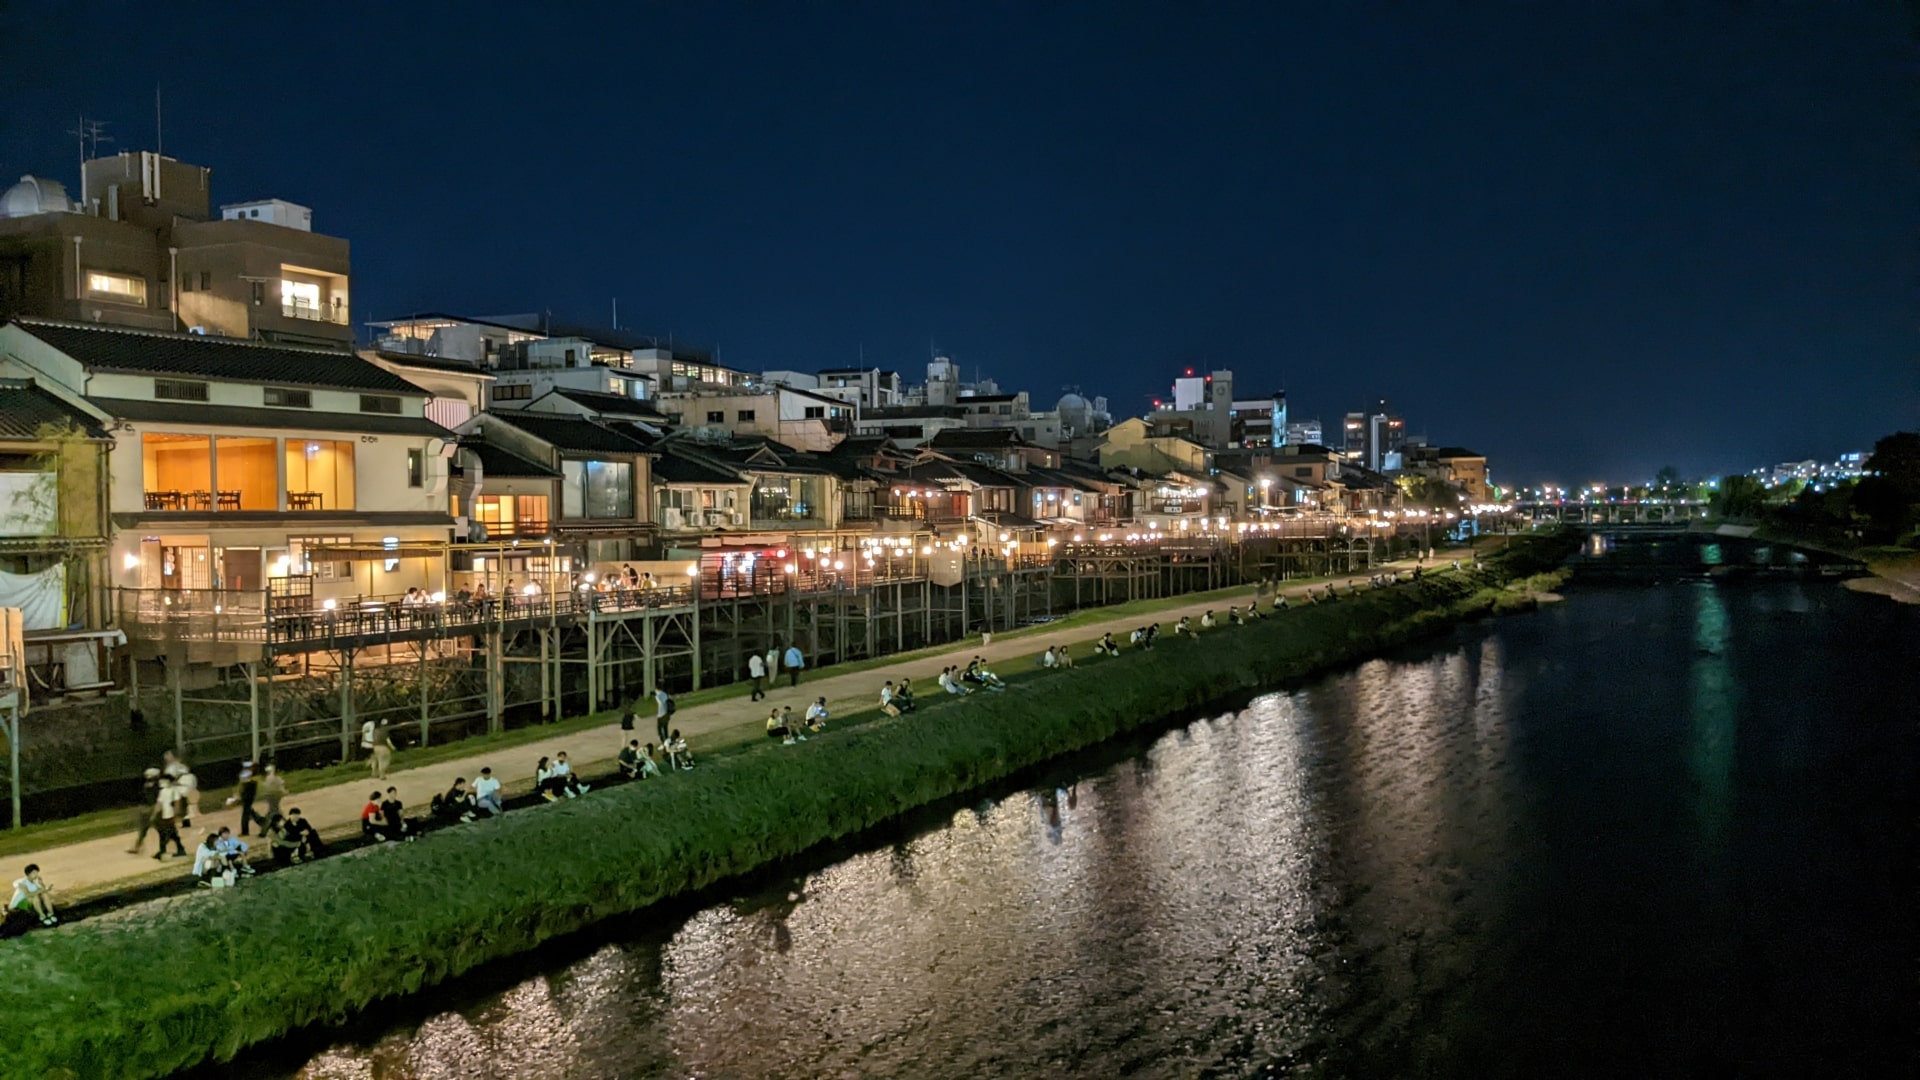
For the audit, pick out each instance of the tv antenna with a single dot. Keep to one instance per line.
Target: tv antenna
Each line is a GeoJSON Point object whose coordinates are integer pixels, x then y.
{"type": "Point", "coordinates": [91, 134]}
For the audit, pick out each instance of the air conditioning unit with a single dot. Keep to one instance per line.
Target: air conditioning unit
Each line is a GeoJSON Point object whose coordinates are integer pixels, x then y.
{"type": "Point", "coordinates": [201, 330]}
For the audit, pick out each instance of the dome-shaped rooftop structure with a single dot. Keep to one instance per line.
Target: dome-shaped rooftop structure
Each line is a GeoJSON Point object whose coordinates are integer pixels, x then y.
{"type": "Point", "coordinates": [1075, 414]}
{"type": "Point", "coordinates": [33, 195]}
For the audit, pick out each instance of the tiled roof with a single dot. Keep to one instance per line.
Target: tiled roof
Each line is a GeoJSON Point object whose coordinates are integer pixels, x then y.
{"type": "Point", "coordinates": [576, 434]}
{"type": "Point", "coordinates": [500, 461]}
{"type": "Point", "coordinates": [675, 467]}
{"type": "Point", "coordinates": [26, 409]}
{"type": "Point", "coordinates": [174, 412]}
{"type": "Point", "coordinates": [118, 348]}
{"type": "Point", "coordinates": [433, 363]}
{"type": "Point", "coordinates": [976, 439]}
{"type": "Point", "coordinates": [612, 404]}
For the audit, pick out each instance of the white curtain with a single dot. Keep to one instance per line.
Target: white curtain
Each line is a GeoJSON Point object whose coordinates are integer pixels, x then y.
{"type": "Point", "coordinates": [41, 597]}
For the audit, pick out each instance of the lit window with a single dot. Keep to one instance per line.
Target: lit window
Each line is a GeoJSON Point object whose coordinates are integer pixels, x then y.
{"type": "Point", "coordinates": [122, 287]}
{"type": "Point", "coordinates": [300, 294]}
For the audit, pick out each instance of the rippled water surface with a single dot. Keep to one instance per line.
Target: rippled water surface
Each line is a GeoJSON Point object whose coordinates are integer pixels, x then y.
{"type": "Point", "coordinates": [1646, 832]}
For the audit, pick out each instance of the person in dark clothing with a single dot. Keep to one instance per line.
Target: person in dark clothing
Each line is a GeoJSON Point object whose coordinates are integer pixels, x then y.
{"type": "Point", "coordinates": [395, 815]}
{"type": "Point", "coordinates": [663, 710]}
{"type": "Point", "coordinates": [149, 815]}
{"type": "Point", "coordinates": [307, 843]}
{"type": "Point", "coordinates": [457, 804]}
{"type": "Point", "coordinates": [248, 793]}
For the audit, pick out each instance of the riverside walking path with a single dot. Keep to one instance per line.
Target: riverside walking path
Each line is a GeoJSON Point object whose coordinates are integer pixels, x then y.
{"type": "Point", "coordinates": [94, 868]}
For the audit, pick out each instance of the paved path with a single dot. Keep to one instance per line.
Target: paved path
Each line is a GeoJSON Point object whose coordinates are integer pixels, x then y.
{"type": "Point", "coordinates": [96, 866]}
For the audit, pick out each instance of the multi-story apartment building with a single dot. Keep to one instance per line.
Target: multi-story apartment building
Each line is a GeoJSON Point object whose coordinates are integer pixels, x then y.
{"type": "Point", "coordinates": [247, 467]}
{"type": "Point", "coordinates": [142, 247]}
{"type": "Point", "coordinates": [802, 419]}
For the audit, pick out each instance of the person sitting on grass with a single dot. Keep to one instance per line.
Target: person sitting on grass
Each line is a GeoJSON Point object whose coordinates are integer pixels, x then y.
{"type": "Point", "coordinates": [676, 750]}
{"type": "Point", "coordinates": [281, 841]}
{"type": "Point", "coordinates": [886, 700]}
{"type": "Point", "coordinates": [33, 897]}
{"type": "Point", "coordinates": [306, 838]}
{"type": "Point", "coordinates": [816, 718]}
{"type": "Point", "coordinates": [1279, 604]}
{"type": "Point", "coordinates": [1138, 636]}
{"type": "Point", "coordinates": [1153, 634]}
{"type": "Point", "coordinates": [1206, 619]}
{"type": "Point", "coordinates": [210, 866]}
{"type": "Point", "coordinates": [630, 760]}
{"type": "Point", "coordinates": [977, 673]}
{"type": "Point", "coordinates": [1331, 595]}
{"type": "Point", "coordinates": [373, 823]}
{"type": "Point", "coordinates": [777, 728]}
{"type": "Point", "coordinates": [792, 725]}
{"type": "Point", "coordinates": [1106, 646]}
{"type": "Point", "coordinates": [1181, 629]}
{"type": "Point", "coordinates": [235, 849]}
{"type": "Point", "coordinates": [648, 768]}
{"type": "Point", "coordinates": [951, 686]}
{"type": "Point", "coordinates": [903, 696]}
{"type": "Point", "coordinates": [486, 793]}
{"type": "Point", "coordinates": [456, 804]}
{"type": "Point", "coordinates": [569, 783]}
{"type": "Point", "coordinates": [1063, 658]}
{"type": "Point", "coordinates": [395, 814]}
{"type": "Point", "coordinates": [1233, 615]}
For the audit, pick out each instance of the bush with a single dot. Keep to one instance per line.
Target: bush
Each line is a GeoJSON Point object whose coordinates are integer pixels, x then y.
{"type": "Point", "coordinates": [155, 990]}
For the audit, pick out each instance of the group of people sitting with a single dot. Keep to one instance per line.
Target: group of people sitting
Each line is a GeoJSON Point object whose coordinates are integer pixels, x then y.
{"type": "Point", "coordinates": [1056, 656]}
{"type": "Point", "coordinates": [782, 726]}
{"type": "Point", "coordinates": [895, 700]}
{"type": "Point", "coordinates": [553, 779]}
{"type": "Point", "coordinates": [383, 820]}
{"type": "Point", "coordinates": [293, 839]}
{"type": "Point", "coordinates": [221, 859]}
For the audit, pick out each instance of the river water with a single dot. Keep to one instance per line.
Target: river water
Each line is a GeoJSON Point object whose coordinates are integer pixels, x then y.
{"type": "Point", "coordinates": [1647, 832]}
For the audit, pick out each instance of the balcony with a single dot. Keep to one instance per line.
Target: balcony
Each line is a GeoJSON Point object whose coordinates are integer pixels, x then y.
{"type": "Point", "coordinates": [334, 314]}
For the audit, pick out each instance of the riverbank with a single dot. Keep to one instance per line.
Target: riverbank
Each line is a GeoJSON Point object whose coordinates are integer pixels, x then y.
{"type": "Point", "coordinates": [185, 982]}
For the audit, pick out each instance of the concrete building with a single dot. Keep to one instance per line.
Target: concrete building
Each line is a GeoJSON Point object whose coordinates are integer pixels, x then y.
{"type": "Point", "coordinates": [1305, 433]}
{"type": "Point", "coordinates": [1374, 438]}
{"type": "Point", "coordinates": [1202, 405]}
{"type": "Point", "coordinates": [801, 419]}
{"type": "Point", "coordinates": [143, 248]}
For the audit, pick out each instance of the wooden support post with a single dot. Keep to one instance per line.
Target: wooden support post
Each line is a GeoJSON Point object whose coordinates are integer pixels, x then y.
{"type": "Point", "coordinates": [546, 676]}
{"type": "Point", "coordinates": [424, 648]}
{"type": "Point", "coordinates": [179, 713]}
{"type": "Point", "coordinates": [496, 681]}
{"type": "Point", "coordinates": [647, 642]}
{"type": "Point", "coordinates": [253, 709]}
{"type": "Point", "coordinates": [346, 706]}
{"type": "Point", "coordinates": [593, 665]}
{"type": "Point", "coordinates": [696, 638]}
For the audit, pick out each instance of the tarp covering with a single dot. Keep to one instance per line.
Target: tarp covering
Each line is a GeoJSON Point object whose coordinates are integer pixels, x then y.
{"type": "Point", "coordinates": [41, 597]}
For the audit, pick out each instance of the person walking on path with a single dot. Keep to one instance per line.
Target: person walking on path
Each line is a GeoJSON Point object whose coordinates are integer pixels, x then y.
{"type": "Point", "coordinates": [273, 788]}
{"type": "Point", "coordinates": [382, 751]}
{"type": "Point", "coordinates": [149, 814]}
{"type": "Point", "coordinates": [246, 795]}
{"type": "Point", "coordinates": [169, 807]}
{"type": "Point", "coordinates": [794, 662]}
{"type": "Point", "coordinates": [757, 671]}
{"type": "Point", "coordinates": [663, 709]}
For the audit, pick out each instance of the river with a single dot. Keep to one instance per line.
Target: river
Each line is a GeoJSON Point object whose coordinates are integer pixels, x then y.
{"type": "Point", "coordinates": [1649, 831]}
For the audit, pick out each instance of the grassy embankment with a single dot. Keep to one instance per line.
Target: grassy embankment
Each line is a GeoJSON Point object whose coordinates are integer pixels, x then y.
{"type": "Point", "coordinates": [204, 979]}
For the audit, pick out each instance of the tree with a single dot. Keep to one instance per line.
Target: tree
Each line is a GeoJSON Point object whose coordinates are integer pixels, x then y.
{"type": "Point", "coordinates": [1739, 497]}
{"type": "Point", "coordinates": [1667, 480]}
{"type": "Point", "coordinates": [1890, 494]}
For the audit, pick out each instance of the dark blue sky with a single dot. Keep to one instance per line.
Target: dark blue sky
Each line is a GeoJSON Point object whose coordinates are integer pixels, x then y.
{"type": "Point", "coordinates": [1588, 240]}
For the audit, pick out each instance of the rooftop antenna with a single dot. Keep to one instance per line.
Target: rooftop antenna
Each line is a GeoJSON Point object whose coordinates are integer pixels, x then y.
{"type": "Point", "coordinates": [616, 313]}
{"type": "Point", "coordinates": [159, 141]}
{"type": "Point", "coordinates": [91, 134]}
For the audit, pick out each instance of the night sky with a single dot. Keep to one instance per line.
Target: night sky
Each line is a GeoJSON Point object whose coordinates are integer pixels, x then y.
{"type": "Point", "coordinates": [1587, 239]}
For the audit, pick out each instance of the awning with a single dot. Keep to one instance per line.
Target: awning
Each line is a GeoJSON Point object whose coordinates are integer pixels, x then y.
{"type": "Point", "coordinates": [417, 549]}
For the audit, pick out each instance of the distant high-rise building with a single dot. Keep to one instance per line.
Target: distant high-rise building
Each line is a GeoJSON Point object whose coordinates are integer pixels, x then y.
{"type": "Point", "coordinates": [1373, 438]}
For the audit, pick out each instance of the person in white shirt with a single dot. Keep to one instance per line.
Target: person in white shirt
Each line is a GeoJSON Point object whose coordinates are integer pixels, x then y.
{"type": "Point", "coordinates": [33, 895]}
{"type": "Point", "coordinates": [886, 700]}
{"type": "Point", "coordinates": [1206, 619]}
{"type": "Point", "coordinates": [952, 685]}
{"type": "Point", "coordinates": [1046, 658]}
{"type": "Point", "coordinates": [817, 716]}
{"type": "Point", "coordinates": [486, 793]}
{"type": "Point", "coordinates": [757, 671]}
{"type": "Point", "coordinates": [210, 865]}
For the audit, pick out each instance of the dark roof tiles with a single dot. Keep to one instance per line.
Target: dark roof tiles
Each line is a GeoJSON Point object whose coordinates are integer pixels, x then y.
{"type": "Point", "coordinates": [118, 348]}
{"type": "Point", "coordinates": [26, 410]}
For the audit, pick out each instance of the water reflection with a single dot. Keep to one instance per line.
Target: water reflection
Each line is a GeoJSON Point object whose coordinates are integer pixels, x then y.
{"type": "Point", "coordinates": [1513, 851]}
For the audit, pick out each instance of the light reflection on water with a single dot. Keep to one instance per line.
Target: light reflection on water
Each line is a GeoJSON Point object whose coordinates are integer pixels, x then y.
{"type": "Point", "coordinates": [1458, 863]}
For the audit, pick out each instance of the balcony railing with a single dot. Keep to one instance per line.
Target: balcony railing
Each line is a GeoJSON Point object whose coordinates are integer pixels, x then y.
{"type": "Point", "coordinates": [336, 314]}
{"type": "Point", "coordinates": [177, 500]}
{"type": "Point", "coordinates": [230, 615]}
{"type": "Point", "coordinates": [916, 511]}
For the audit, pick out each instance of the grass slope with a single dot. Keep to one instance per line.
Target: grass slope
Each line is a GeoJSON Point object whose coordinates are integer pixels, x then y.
{"type": "Point", "coordinates": [204, 978]}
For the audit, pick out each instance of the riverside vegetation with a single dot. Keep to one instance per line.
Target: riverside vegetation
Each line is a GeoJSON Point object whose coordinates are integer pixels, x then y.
{"type": "Point", "coordinates": [157, 990]}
